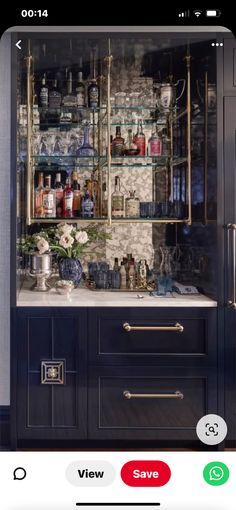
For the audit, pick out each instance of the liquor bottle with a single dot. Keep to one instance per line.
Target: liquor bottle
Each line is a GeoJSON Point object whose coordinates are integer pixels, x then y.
{"type": "Point", "coordinates": [38, 201]}
{"type": "Point", "coordinates": [70, 99]}
{"type": "Point", "coordinates": [140, 140]}
{"type": "Point", "coordinates": [68, 200]}
{"type": "Point", "coordinates": [80, 89]}
{"type": "Point", "coordinates": [132, 206]}
{"type": "Point", "coordinates": [155, 144]}
{"type": "Point", "coordinates": [117, 200]}
{"type": "Point", "coordinates": [93, 94]}
{"type": "Point", "coordinates": [123, 283]}
{"type": "Point", "coordinates": [87, 206]}
{"type": "Point", "coordinates": [131, 148]}
{"type": "Point", "coordinates": [76, 195]}
{"type": "Point", "coordinates": [49, 199]}
{"type": "Point", "coordinates": [54, 98]}
{"type": "Point", "coordinates": [118, 143]}
{"type": "Point", "coordinates": [116, 264]}
{"type": "Point", "coordinates": [93, 89]}
{"type": "Point", "coordinates": [43, 94]}
{"type": "Point", "coordinates": [132, 277]}
{"type": "Point", "coordinates": [59, 189]}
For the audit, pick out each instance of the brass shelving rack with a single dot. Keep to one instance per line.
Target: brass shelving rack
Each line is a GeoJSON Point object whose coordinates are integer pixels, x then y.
{"type": "Point", "coordinates": [108, 161]}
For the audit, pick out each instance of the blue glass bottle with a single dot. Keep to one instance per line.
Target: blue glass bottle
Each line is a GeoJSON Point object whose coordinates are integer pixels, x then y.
{"type": "Point", "coordinates": [87, 206]}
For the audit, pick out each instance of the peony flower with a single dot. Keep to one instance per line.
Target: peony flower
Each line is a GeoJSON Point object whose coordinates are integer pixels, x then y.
{"type": "Point", "coordinates": [81, 237]}
{"type": "Point", "coordinates": [65, 228]}
{"type": "Point", "coordinates": [42, 246]}
{"type": "Point", "coordinates": [66, 240]}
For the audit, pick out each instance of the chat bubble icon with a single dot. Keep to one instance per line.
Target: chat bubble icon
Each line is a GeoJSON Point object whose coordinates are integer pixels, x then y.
{"type": "Point", "coordinates": [216, 473]}
{"type": "Point", "coordinates": [19, 473]}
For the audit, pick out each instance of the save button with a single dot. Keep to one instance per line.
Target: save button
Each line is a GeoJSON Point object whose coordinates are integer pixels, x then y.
{"type": "Point", "coordinates": [145, 473]}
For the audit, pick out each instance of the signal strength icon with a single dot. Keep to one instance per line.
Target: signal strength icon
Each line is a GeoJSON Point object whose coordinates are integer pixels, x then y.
{"type": "Point", "coordinates": [184, 14]}
{"type": "Point", "coordinates": [197, 13]}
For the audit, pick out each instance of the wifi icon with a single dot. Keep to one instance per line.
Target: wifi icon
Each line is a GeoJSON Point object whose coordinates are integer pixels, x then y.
{"type": "Point", "coordinates": [197, 13]}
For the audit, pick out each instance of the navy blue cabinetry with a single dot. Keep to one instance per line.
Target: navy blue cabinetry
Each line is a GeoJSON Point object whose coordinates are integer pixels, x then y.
{"type": "Point", "coordinates": [152, 372]}
{"type": "Point", "coordinates": [51, 386]}
{"type": "Point", "coordinates": [144, 374]}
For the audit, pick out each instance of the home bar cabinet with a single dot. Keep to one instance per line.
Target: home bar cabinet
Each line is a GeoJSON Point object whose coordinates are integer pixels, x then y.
{"type": "Point", "coordinates": [123, 133]}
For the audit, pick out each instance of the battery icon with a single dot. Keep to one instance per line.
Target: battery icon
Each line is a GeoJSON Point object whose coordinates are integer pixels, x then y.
{"type": "Point", "coordinates": [213, 14]}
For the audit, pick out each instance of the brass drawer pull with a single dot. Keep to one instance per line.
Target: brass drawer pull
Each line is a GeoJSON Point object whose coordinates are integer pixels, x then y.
{"type": "Point", "coordinates": [176, 395]}
{"type": "Point", "coordinates": [177, 327]}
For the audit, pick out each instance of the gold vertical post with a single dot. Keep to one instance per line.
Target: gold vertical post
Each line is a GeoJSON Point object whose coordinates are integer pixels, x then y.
{"type": "Point", "coordinates": [171, 160]}
{"type": "Point", "coordinates": [189, 162]}
{"type": "Point", "coordinates": [205, 144]}
{"type": "Point", "coordinates": [108, 61]}
{"type": "Point", "coordinates": [29, 190]}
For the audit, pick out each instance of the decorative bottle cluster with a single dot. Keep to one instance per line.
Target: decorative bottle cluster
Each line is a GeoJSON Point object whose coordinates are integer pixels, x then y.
{"type": "Point", "coordinates": [65, 201]}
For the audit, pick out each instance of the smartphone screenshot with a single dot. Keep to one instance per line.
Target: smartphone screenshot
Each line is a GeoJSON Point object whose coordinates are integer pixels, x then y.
{"type": "Point", "coordinates": [118, 263]}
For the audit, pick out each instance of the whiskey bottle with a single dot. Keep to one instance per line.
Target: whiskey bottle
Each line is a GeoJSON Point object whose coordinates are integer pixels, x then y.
{"type": "Point", "coordinates": [43, 94]}
{"type": "Point", "coordinates": [117, 200]}
{"type": "Point", "coordinates": [118, 143]}
{"type": "Point", "coordinates": [140, 140]}
{"type": "Point", "coordinates": [49, 199]}
{"type": "Point", "coordinates": [38, 200]}
{"type": "Point", "coordinates": [87, 206]}
{"type": "Point", "coordinates": [68, 200]}
{"type": "Point", "coordinates": [59, 190]}
{"type": "Point", "coordinates": [76, 195]}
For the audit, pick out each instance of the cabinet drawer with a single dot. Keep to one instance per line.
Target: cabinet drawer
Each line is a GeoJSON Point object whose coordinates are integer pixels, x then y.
{"type": "Point", "coordinates": [122, 333]}
{"type": "Point", "coordinates": [143, 405]}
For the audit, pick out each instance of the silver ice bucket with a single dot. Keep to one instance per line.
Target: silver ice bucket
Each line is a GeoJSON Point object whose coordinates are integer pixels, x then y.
{"type": "Point", "coordinates": [40, 267]}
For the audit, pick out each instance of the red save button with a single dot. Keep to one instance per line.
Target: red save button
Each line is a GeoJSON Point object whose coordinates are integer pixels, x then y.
{"type": "Point", "coordinates": [145, 473]}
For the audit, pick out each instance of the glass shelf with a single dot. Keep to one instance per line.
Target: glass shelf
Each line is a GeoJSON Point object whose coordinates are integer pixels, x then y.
{"type": "Point", "coordinates": [73, 109]}
{"type": "Point", "coordinates": [147, 161]}
{"type": "Point", "coordinates": [69, 161]}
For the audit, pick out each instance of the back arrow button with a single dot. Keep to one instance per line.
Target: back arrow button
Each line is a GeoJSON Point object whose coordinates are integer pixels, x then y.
{"type": "Point", "coordinates": [18, 44]}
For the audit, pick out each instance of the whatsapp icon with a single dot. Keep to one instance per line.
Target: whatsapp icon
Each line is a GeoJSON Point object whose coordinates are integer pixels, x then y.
{"type": "Point", "coordinates": [216, 473]}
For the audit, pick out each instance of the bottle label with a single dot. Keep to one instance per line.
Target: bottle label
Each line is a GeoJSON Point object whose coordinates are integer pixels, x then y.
{"type": "Point", "coordinates": [140, 142]}
{"type": "Point", "coordinates": [68, 201]}
{"type": "Point", "coordinates": [44, 97]}
{"type": "Point", "coordinates": [87, 209]}
{"type": "Point", "coordinates": [117, 148]}
{"type": "Point", "coordinates": [48, 203]}
{"type": "Point", "coordinates": [59, 203]}
{"type": "Point", "coordinates": [80, 98]}
{"type": "Point", "coordinates": [132, 208]}
{"type": "Point", "coordinates": [93, 97]}
{"type": "Point", "coordinates": [155, 147]}
{"type": "Point", "coordinates": [55, 100]}
{"type": "Point", "coordinates": [118, 206]}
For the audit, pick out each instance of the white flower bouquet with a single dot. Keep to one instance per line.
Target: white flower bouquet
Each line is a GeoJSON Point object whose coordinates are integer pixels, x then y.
{"type": "Point", "coordinates": [66, 240]}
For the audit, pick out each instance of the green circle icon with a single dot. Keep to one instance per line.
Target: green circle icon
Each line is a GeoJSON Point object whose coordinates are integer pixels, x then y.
{"type": "Point", "coordinates": [216, 473]}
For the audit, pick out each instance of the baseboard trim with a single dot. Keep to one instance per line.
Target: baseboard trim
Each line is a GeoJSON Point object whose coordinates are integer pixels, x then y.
{"type": "Point", "coordinates": [4, 427]}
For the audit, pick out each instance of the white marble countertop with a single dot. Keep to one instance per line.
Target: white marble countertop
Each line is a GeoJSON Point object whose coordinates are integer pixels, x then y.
{"type": "Point", "coordinates": [84, 297]}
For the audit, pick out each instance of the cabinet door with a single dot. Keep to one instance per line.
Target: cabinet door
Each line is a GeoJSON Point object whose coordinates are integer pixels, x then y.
{"type": "Point", "coordinates": [230, 266]}
{"type": "Point", "coordinates": [229, 66]}
{"type": "Point", "coordinates": [149, 403]}
{"type": "Point", "coordinates": [184, 334]}
{"type": "Point", "coordinates": [51, 381]}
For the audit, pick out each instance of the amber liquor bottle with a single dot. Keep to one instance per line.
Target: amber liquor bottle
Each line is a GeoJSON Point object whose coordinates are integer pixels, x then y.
{"type": "Point", "coordinates": [118, 143]}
